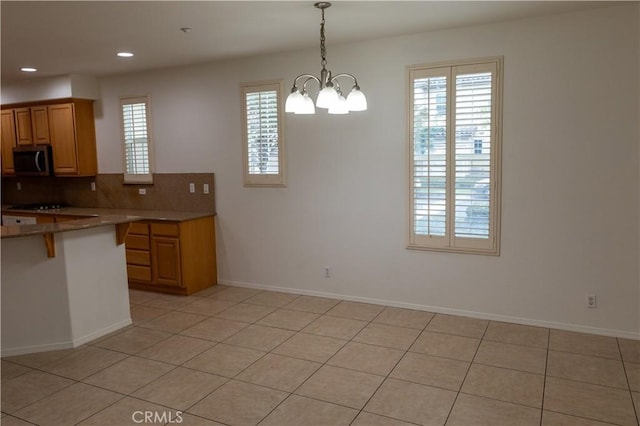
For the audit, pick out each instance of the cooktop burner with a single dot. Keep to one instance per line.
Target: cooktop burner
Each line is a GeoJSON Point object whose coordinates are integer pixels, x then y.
{"type": "Point", "coordinates": [38, 206]}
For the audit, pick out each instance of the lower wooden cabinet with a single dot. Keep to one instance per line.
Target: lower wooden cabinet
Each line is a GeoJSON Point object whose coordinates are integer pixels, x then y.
{"type": "Point", "coordinates": [172, 257]}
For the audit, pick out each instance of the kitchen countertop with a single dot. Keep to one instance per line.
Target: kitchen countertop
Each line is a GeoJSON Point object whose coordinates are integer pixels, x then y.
{"type": "Point", "coordinates": [169, 215]}
{"type": "Point", "coordinates": [15, 231]}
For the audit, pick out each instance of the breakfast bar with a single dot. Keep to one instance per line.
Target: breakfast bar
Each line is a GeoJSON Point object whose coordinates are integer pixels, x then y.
{"type": "Point", "coordinates": [63, 284]}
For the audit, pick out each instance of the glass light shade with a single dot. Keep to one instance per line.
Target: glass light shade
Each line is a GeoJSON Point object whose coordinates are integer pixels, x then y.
{"type": "Point", "coordinates": [356, 100]}
{"type": "Point", "coordinates": [306, 106]}
{"type": "Point", "coordinates": [294, 101]}
{"type": "Point", "coordinates": [339, 107]}
{"type": "Point", "coordinates": [327, 97]}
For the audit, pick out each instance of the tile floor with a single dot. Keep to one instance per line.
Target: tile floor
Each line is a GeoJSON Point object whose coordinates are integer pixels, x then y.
{"type": "Point", "coordinates": [237, 356]}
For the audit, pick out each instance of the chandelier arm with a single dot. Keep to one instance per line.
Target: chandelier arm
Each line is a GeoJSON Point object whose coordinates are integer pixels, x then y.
{"type": "Point", "coordinates": [309, 77]}
{"type": "Point", "coordinates": [344, 74]}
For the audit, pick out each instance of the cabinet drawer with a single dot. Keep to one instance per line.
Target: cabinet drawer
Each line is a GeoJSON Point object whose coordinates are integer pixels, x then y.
{"type": "Point", "coordinates": [168, 229]}
{"type": "Point", "coordinates": [137, 242]}
{"type": "Point", "coordinates": [138, 257]}
{"type": "Point", "coordinates": [139, 273]}
{"type": "Point", "coordinates": [139, 228]}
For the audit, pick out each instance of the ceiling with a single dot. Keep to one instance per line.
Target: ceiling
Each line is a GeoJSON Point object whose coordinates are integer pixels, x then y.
{"type": "Point", "coordinates": [82, 37]}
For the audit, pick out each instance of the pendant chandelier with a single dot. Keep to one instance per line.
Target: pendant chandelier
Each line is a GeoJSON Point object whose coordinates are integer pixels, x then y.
{"type": "Point", "coordinates": [330, 94]}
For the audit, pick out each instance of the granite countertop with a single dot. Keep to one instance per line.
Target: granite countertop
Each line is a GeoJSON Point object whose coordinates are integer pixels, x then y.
{"type": "Point", "coordinates": [15, 231]}
{"type": "Point", "coordinates": [168, 215]}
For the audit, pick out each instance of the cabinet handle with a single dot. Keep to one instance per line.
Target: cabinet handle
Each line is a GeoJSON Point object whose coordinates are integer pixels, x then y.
{"type": "Point", "coordinates": [38, 164]}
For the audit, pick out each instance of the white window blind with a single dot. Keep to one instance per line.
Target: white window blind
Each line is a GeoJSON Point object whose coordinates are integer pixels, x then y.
{"type": "Point", "coordinates": [454, 156]}
{"type": "Point", "coordinates": [263, 142]}
{"type": "Point", "coordinates": [136, 139]}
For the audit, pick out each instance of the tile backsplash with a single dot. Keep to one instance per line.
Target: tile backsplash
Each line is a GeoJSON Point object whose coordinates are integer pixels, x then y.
{"type": "Point", "coordinates": [169, 191]}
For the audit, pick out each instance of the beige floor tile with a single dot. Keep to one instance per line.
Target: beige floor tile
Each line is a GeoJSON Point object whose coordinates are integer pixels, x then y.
{"type": "Point", "coordinates": [460, 326]}
{"type": "Point", "coordinates": [630, 350]}
{"type": "Point", "coordinates": [288, 319]}
{"type": "Point", "coordinates": [79, 401]}
{"type": "Point", "coordinates": [404, 318]}
{"type": "Point", "coordinates": [591, 401]}
{"type": "Point", "coordinates": [585, 344]}
{"type": "Point", "coordinates": [176, 349]}
{"type": "Point", "coordinates": [210, 291]}
{"type": "Point", "coordinates": [191, 420]}
{"type": "Point", "coordinates": [235, 294]}
{"type": "Point", "coordinates": [517, 334]}
{"type": "Point", "coordinates": [430, 370]}
{"type": "Point", "coordinates": [28, 388]}
{"type": "Point", "coordinates": [9, 370]}
{"type": "Point", "coordinates": [355, 310]}
{"type": "Point", "coordinates": [411, 402]}
{"type": "Point", "coordinates": [272, 298]}
{"type": "Point", "coordinates": [633, 375]}
{"type": "Point", "coordinates": [506, 385]}
{"type": "Point", "coordinates": [446, 345]}
{"type": "Point", "coordinates": [590, 369]}
{"type": "Point", "coordinates": [238, 403]}
{"type": "Point", "coordinates": [341, 386]}
{"type": "Point", "coordinates": [168, 301]}
{"type": "Point", "coordinates": [310, 347]}
{"type": "Point", "coordinates": [279, 372]}
{"type": "Point", "coordinates": [174, 322]}
{"type": "Point", "coordinates": [246, 313]}
{"type": "Point", "coordinates": [340, 328]}
{"type": "Point", "coordinates": [142, 313]}
{"type": "Point", "coordinates": [40, 359]}
{"type": "Point", "coordinates": [386, 335]}
{"type": "Point", "coordinates": [259, 337]}
{"type": "Point", "coordinates": [366, 358]}
{"type": "Point", "coordinates": [478, 411]}
{"type": "Point", "coordinates": [208, 307]}
{"type": "Point", "coordinates": [550, 418]}
{"type": "Point", "coordinates": [133, 340]}
{"type": "Point", "coordinates": [368, 419]}
{"type": "Point", "coordinates": [298, 410]}
{"type": "Point", "coordinates": [13, 421]}
{"type": "Point", "coordinates": [141, 296]}
{"type": "Point", "coordinates": [313, 304]}
{"type": "Point", "coordinates": [636, 401]}
{"type": "Point", "coordinates": [180, 388]}
{"type": "Point", "coordinates": [85, 362]}
{"type": "Point", "coordinates": [224, 360]}
{"type": "Point", "coordinates": [130, 411]}
{"type": "Point", "coordinates": [128, 375]}
{"type": "Point", "coordinates": [516, 357]}
{"type": "Point", "coordinates": [216, 329]}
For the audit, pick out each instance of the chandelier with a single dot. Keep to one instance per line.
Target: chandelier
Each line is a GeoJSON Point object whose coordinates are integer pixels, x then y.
{"type": "Point", "coordinates": [330, 94]}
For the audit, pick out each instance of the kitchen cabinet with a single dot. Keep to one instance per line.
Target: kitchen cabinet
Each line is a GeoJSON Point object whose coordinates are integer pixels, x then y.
{"type": "Point", "coordinates": [32, 126]}
{"type": "Point", "coordinates": [73, 139]}
{"type": "Point", "coordinates": [8, 141]}
{"type": "Point", "coordinates": [172, 257]}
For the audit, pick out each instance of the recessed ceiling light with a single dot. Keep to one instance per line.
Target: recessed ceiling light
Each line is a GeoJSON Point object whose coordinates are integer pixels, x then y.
{"type": "Point", "coordinates": [125, 54]}
{"type": "Point", "coordinates": [28, 69]}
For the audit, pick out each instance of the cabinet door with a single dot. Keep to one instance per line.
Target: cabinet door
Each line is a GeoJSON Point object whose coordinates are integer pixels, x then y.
{"type": "Point", "coordinates": [24, 135]}
{"type": "Point", "coordinates": [63, 138]}
{"type": "Point", "coordinates": [8, 141]}
{"type": "Point", "coordinates": [165, 261]}
{"type": "Point", "coordinates": [40, 125]}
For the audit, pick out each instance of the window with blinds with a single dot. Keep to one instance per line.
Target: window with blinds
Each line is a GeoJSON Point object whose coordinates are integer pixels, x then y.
{"type": "Point", "coordinates": [137, 140]}
{"type": "Point", "coordinates": [454, 148]}
{"type": "Point", "coordinates": [263, 142]}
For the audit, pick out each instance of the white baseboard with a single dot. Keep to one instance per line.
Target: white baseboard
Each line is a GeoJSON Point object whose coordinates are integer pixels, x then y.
{"type": "Point", "coordinates": [442, 310]}
{"type": "Point", "coordinates": [103, 332]}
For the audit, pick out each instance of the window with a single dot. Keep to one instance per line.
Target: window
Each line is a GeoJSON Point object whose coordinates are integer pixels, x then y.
{"type": "Point", "coordinates": [263, 142]}
{"type": "Point", "coordinates": [454, 149]}
{"type": "Point", "coordinates": [136, 137]}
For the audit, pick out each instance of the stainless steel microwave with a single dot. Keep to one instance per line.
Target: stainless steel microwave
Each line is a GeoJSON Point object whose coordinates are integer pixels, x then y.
{"type": "Point", "coordinates": [33, 160]}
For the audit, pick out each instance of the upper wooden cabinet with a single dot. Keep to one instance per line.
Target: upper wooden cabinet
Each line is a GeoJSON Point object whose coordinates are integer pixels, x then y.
{"type": "Point", "coordinates": [67, 125]}
{"type": "Point", "coordinates": [8, 141]}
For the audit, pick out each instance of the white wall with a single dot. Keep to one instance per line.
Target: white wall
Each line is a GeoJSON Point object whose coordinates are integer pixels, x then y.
{"type": "Point", "coordinates": [570, 173]}
{"type": "Point", "coordinates": [42, 89]}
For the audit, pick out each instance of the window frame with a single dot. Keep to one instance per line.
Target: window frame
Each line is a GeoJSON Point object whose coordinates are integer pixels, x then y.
{"type": "Point", "coordinates": [263, 180]}
{"type": "Point", "coordinates": [449, 242]}
{"type": "Point", "coordinates": [134, 178]}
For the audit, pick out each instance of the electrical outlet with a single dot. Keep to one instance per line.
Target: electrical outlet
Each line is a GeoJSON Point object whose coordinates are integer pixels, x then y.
{"type": "Point", "coordinates": [142, 191]}
{"type": "Point", "coordinates": [93, 186]}
{"type": "Point", "coordinates": [327, 272]}
{"type": "Point", "coordinates": [19, 186]}
{"type": "Point", "coordinates": [192, 188]}
{"type": "Point", "coordinates": [590, 301]}
{"type": "Point", "coordinates": [205, 188]}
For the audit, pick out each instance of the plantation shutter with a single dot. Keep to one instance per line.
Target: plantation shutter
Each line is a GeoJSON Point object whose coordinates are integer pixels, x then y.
{"type": "Point", "coordinates": [136, 139]}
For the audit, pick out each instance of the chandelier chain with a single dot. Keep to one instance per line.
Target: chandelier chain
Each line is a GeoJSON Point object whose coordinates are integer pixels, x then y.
{"type": "Point", "coordinates": [323, 49]}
